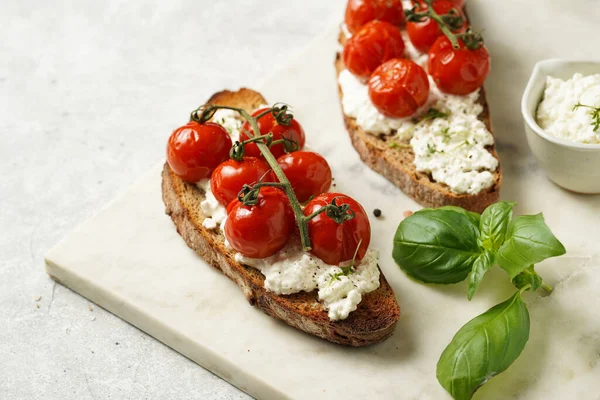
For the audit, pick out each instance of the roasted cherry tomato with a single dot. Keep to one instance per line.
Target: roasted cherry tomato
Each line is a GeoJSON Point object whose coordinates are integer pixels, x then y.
{"type": "Point", "coordinates": [230, 177]}
{"type": "Point", "coordinates": [459, 71]}
{"type": "Point", "coordinates": [423, 34]}
{"type": "Point", "coordinates": [308, 173]}
{"type": "Point", "coordinates": [263, 229]}
{"type": "Point", "coordinates": [398, 88]}
{"type": "Point", "coordinates": [333, 242]}
{"type": "Point", "coordinates": [359, 12]}
{"type": "Point", "coordinates": [195, 150]}
{"type": "Point", "coordinates": [372, 45]}
{"type": "Point", "coordinates": [268, 123]}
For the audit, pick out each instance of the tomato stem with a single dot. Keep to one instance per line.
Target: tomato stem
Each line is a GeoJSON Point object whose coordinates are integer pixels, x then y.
{"type": "Point", "coordinates": [437, 18]}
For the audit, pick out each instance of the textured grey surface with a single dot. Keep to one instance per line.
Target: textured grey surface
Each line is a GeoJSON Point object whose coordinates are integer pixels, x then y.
{"type": "Point", "coordinates": [89, 92]}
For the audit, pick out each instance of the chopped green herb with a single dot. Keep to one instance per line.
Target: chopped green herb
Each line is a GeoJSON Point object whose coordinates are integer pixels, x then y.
{"type": "Point", "coordinates": [447, 135]}
{"type": "Point", "coordinates": [433, 113]}
{"type": "Point", "coordinates": [594, 113]}
{"type": "Point", "coordinates": [430, 148]}
{"type": "Point", "coordinates": [345, 272]}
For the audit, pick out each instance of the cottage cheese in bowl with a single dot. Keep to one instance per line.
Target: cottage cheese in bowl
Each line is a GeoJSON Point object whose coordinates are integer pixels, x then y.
{"type": "Point", "coordinates": [559, 115]}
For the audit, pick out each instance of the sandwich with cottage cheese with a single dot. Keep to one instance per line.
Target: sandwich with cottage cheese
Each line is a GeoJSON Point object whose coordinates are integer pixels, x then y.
{"type": "Point", "coordinates": [410, 78]}
{"type": "Point", "coordinates": [333, 288]}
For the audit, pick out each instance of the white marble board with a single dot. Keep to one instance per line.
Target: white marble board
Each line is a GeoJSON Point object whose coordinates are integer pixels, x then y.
{"type": "Point", "coordinates": [130, 260]}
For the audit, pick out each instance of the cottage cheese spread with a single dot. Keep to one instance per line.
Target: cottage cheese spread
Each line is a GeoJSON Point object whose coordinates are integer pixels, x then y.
{"type": "Point", "coordinates": [555, 113]}
{"type": "Point", "coordinates": [213, 211]}
{"type": "Point", "coordinates": [412, 52]}
{"type": "Point", "coordinates": [292, 270]}
{"type": "Point", "coordinates": [230, 121]}
{"type": "Point", "coordinates": [451, 149]}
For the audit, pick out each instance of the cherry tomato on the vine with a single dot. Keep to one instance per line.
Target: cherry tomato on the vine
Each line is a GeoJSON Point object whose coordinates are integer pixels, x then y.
{"type": "Point", "coordinates": [267, 123]}
{"type": "Point", "coordinates": [333, 242]}
{"type": "Point", "coordinates": [372, 45]}
{"type": "Point", "coordinates": [457, 3]}
{"type": "Point", "coordinates": [359, 12]}
{"type": "Point", "coordinates": [458, 71]}
{"type": "Point", "coordinates": [423, 34]}
{"type": "Point", "coordinates": [230, 177]}
{"type": "Point", "coordinates": [195, 150]}
{"type": "Point", "coordinates": [398, 88]}
{"type": "Point", "coordinates": [308, 173]}
{"type": "Point", "coordinates": [260, 230]}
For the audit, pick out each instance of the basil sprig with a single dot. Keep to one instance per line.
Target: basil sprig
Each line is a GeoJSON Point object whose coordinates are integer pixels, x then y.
{"type": "Point", "coordinates": [448, 245]}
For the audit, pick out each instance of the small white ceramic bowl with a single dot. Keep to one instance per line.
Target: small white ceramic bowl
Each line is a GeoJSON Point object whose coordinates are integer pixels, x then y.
{"type": "Point", "coordinates": [574, 166]}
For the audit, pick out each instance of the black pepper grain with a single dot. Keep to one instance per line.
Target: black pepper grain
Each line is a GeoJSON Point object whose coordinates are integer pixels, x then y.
{"type": "Point", "coordinates": [377, 212]}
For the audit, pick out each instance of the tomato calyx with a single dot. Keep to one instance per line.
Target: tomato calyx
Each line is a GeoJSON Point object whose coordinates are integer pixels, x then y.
{"type": "Point", "coordinates": [338, 213]}
{"type": "Point", "coordinates": [471, 39]}
{"type": "Point", "coordinates": [448, 22]}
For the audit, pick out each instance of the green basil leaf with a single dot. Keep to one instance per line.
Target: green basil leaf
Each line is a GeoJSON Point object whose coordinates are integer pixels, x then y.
{"type": "Point", "coordinates": [480, 267]}
{"type": "Point", "coordinates": [437, 246]}
{"type": "Point", "coordinates": [473, 216]}
{"type": "Point", "coordinates": [528, 241]}
{"type": "Point", "coordinates": [494, 223]}
{"type": "Point", "coordinates": [484, 347]}
{"type": "Point", "coordinates": [528, 277]}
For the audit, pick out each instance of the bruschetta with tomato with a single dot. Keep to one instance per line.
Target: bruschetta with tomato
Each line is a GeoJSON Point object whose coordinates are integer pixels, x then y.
{"type": "Point", "coordinates": [410, 79]}
{"type": "Point", "coordinates": [252, 202]}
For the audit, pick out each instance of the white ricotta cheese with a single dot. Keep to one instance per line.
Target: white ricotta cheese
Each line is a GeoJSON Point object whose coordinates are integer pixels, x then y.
{"type": "Point", "coordinates": [411, 52]}
{"type": "Point", "coordinates": [453, 149]}
{"type": "Point", "coordinates": [555, 113]}
{"type": "Point", "coordinates": [345, 31]}
{"type": "Point", "coordinates": [230, 121]}
{"type": "Point", "coordinates": [292, 270]}
{"type": "Point", "coordinates": [213, 211]}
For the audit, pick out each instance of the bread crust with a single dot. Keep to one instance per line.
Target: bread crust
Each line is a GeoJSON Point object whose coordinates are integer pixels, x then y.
{"type": "Point", "coordinates": [397, 164]}
{"type": "Point", "coordinates": [373, 321]}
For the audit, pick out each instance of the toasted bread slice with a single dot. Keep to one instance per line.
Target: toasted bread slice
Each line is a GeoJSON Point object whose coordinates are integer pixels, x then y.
{"type": "Point", "coordinates": [374, 319]}
{"type": "Point", "coordinates": [397, 164]}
